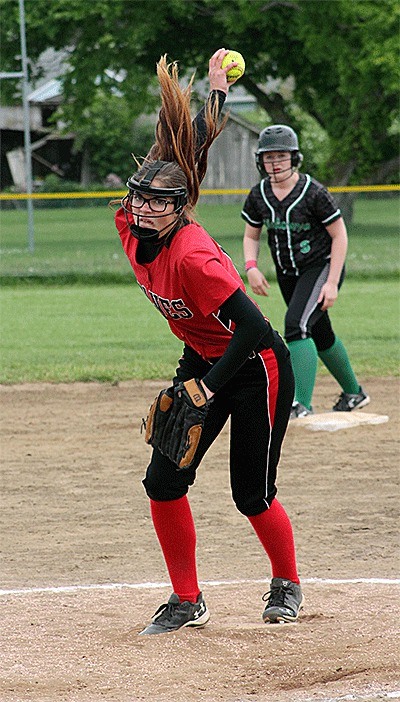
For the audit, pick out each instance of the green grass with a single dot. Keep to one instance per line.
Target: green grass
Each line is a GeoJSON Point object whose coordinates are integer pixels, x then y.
{"type": "Point", "coordinates": [373, 237]}
{"type": "Point", "coordinates": [82, 245]}
{"type": "Point", "coordinates": [72, 244]}
{"type": "Point", "coordinates": [112, 332]}
{"type": "Point", "coordinates": [70, 333]}
{"type": "Point", "coordinates": [108, 331]}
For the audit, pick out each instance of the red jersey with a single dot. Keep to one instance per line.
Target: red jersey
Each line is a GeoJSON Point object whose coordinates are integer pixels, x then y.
{"type": "Point", "coordinates": [188, 282]}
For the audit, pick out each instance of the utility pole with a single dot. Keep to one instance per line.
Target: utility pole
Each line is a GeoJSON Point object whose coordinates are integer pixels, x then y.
{"type": "Point", "coordinates": [27, 133]}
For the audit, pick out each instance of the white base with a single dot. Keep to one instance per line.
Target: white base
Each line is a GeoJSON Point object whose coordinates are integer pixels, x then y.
{"type": "Point", "coordinates": [333, 421]}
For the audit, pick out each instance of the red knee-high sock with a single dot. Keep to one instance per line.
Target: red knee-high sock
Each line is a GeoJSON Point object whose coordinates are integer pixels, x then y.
{"type": "Point", "coordinates": [174, 526]}
{"type": "Point", "coordinates": [274, 530]}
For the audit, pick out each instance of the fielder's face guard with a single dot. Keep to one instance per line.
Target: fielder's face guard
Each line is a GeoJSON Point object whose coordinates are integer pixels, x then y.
{"type": "Point", "coordinates": [145, 187]}
{"type": "Point", "coordinates": [278, 137]}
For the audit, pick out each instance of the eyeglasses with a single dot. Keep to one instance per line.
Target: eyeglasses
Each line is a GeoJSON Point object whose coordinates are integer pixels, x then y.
{"type": "Point", "coordinates": [156, 204]}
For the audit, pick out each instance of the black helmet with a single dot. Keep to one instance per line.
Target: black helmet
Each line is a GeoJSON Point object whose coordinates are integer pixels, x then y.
{"type": "Point", "coordinates": [278, 137]}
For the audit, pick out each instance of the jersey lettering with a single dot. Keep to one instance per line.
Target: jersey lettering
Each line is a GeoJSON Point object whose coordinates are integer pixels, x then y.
{"type": "Point", "coordinates": [181, 311]}
{"type": "Point", "coordinates": [173, 309]}
{"type": "Point", "coordinates": [293, 226]}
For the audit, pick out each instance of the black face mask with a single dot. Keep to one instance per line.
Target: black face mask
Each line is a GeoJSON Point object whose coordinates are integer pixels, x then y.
{"type": "Point", "coordinates": [144, 186]}
{"type": "Point", "coordinates": [146, 233]}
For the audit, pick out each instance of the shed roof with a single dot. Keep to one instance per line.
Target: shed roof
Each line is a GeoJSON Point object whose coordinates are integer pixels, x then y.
{"type": "Point", "coordinates": [48, 93]}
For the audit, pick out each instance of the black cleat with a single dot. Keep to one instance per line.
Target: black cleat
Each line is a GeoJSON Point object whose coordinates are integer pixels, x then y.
{"type": "Point", "coordinates": [284, 602]}
{"type": "Point", "coordinates": [298, 410]}
{"type": "Point", "coordinates": [175, 614]}
{"type": "Point", "coordinates": [348, 402]}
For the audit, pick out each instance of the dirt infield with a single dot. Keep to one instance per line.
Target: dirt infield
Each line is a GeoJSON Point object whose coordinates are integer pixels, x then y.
{"type": "Point", "coordinates": [81, 571]}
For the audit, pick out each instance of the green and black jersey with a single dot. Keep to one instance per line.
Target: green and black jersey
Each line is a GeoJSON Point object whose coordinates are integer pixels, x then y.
{"type": "Point", "coordinates": [297, 234]}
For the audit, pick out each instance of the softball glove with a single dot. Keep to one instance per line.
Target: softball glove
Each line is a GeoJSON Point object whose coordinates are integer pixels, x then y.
{"type": "Point", "coordinates": [175, 422]}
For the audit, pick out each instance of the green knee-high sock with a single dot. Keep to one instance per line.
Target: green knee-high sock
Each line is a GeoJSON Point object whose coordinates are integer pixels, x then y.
{"type": "Point", "coordinates": [304, 361]}
{"type": "Point", "coordinates": [338, 364]}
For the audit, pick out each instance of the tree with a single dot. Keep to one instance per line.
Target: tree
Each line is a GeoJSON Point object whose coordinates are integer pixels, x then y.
{"type": "Point", "coordinates": [342, 54]}
{"type": "Point", "coordinates": [108, 135]}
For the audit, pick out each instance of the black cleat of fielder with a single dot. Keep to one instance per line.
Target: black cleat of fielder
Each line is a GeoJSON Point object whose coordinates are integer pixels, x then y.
{"type": "Point", "coordinates": [284, 602]}
{"type": "Point", "coordinates": [175, 614]}
{"type": "Point", "coordinates": [298, 410]}
{"type": "Point", "coordinates": [348, 402]}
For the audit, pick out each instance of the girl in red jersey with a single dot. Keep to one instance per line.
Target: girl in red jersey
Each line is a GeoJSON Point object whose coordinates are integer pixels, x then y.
{"type": "Point", "coordinates": [231, 350]}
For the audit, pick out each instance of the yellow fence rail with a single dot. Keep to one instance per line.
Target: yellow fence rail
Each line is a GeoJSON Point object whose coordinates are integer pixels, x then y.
{"type": "Point", "coordinates": [228, 191]}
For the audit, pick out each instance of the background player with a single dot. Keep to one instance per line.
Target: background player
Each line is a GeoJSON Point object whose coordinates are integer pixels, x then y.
{"type": "Point", "coordinates": [308, 241]}
{"type": "Point", "coordinates": [231, 350]}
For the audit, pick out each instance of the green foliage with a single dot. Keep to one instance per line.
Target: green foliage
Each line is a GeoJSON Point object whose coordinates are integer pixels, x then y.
{"type": "Point", "coordinates": [352, 80]}
{"type": "Point", "coordinates": [342, 55]}
{"type": "Point", "coordinates": [315, 143]}
{"type": "Point", "coordinates": [108, 131]}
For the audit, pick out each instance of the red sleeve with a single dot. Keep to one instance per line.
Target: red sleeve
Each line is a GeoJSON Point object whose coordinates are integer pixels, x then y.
{"type": "Point", "coordinates": [122, 227]}
{"type": "Point", "coordinates": [207, 280]}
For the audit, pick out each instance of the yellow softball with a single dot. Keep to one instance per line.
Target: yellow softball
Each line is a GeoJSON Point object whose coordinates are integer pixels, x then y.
{"type": "Point", "coordinates": [237, 71]}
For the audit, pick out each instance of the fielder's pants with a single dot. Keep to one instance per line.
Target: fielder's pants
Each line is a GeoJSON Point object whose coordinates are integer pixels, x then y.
{"type": "Point", "coordinates": [304, 317]}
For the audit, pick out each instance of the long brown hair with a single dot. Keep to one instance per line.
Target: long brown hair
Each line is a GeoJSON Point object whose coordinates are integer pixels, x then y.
{"type": "Point", "coordinates": [176, 137]}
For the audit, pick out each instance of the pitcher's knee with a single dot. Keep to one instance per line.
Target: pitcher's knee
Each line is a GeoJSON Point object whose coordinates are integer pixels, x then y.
{"type": "Point", "coordinates": [164, 481]}
{"type": "Point", "coordinates": [162, 493]}
{"type": "Point", "coordinates": [251, 506]}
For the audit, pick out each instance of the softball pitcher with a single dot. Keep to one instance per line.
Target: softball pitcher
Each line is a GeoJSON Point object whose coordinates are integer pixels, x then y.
{"type": "Point", "coordinates": [233, 365]}
{"type": "Point", "coordinates": [308, 241]}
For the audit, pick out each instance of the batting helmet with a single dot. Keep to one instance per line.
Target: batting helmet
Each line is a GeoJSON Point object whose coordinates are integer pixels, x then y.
{"type": "Point", "coordinates": [278, 137]}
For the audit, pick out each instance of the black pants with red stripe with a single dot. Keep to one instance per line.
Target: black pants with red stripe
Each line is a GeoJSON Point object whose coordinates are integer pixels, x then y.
{"type": "Point", "coordinates": [258, 400]}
